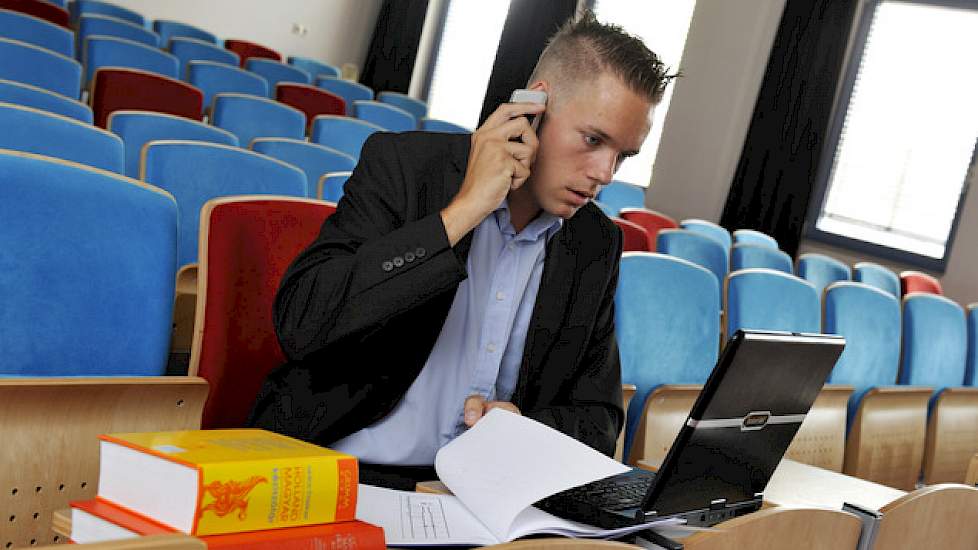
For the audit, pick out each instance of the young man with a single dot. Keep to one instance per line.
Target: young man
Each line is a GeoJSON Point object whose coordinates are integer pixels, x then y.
{"type": "Point", "coordinates": [461, 273]}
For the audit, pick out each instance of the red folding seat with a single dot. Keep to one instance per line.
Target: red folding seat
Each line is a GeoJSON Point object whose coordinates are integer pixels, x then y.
{"type": "Point", "coordinates": [310, 100]}
{"type": "Point", "coordinates": [130, 89]}
{"type": "Point", "coordinates": [915, 281]}
{"type": "Point", "coordinates": [247, 50]}
{"type": "Point", "coordinates": [650, 220]}
{"type": "Point", "coordinates": [40, 9]}
{"type": "Point", "coordinates": [636, 237]}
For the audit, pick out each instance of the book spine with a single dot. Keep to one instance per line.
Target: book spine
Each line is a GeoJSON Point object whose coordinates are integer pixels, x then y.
{"type": "Point", "coordinates": [352, 535]}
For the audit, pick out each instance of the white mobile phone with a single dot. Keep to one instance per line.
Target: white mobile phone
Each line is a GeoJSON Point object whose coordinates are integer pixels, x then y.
{"type": "Point", "coordinates": [530, 96]}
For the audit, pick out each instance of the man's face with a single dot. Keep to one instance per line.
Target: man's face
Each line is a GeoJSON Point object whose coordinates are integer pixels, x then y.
{"type": "Point", "coordinates": [584, 136]}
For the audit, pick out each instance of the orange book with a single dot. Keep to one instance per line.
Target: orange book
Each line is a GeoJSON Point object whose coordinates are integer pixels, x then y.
{"type": "Point", "coordinates": [99, 521]}
{"type": "Point", "coordinates": [210, 482]}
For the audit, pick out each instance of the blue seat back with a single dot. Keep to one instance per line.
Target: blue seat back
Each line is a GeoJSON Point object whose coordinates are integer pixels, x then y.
{"type": "Point", "coordinates": [196, 172]}
{"type": "Point", "coordinates": [972, 361]}
{"type": "Point", "coordinates": [751, 256]}
{"type": "Point", "coordinates": [349, 91]}
{"type": "Point", "coordinates": [750, 236]}
{"type": "Point", "coordinates": [77, 8]}
{"type": "Point", "coordinates": [33, 131]}
{"type": "Point", "coordinates": [276, 71]}
{"type": "Point", "coordinates": [935, 342]}
{"type": "Point", "coordinates": [821, 270]}
{"type": "Point", "coordinates": [170, 29]}
{"type": "Point", "coordinates": [39, 98]}
{"type": "Point", "coordinates": [877, 276]}
{"type": "Point", "coordinates": [30, 64]}
{"type": "Point", "coordinates": [342, 133]}
{"type": "Point", "coordinates": [388, 117]}
{"type": "Point", "coordinates": [618, 195]}
{"type": "Point", "coordinates": [88, 260]}
{"type": "Point", "coordinates": [313, 159]}
{"type": "Point", "coordinates": [250, 117]}
{"type": "Point", "coordinates": [137, 128]}
{"type": "Point", "coordinates": [25, 28]}
{"type": "Point", "coordinates": [217, 78]}
{"type": "Point", "coordinates": [765, 299]}
{"type": "Point", "coordinates": [417, 108]}
{"type": "Point", "coordinates": [697, 248]}
{"type": "Point", "coordinates": [709, 229]}
{"type": "Point", "coordinates": [435, 125]}
{"type": "Point", "coordinates": [313, 67]}
{"type": "Point", "coordinates": [106, 51]}
{"type": "Point", "coordinates": [103, 25]}
{"type": "Point", "coordinates": [667, 324]}
{"type": "Point", "coordinates": [331, 186]}
{"type": "Point", "coordinates": [191, 49]}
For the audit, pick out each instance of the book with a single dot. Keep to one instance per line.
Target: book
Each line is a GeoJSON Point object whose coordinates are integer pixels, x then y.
{"type": "Point", "coordinates": [100, 521]}
{"type": "Point", "coordinates": [209, 482]}
{"type": "Point", "coordinates": [496, 471]}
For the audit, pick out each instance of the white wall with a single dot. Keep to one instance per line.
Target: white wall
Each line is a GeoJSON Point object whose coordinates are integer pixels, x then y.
{"type": "Point", "coordinates": [339, 31]}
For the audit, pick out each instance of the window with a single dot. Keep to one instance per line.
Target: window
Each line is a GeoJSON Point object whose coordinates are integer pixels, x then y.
{"type": "Point", "coordinates": [663, 27]}
{"type": "Point", "coordinates": [906, 129]}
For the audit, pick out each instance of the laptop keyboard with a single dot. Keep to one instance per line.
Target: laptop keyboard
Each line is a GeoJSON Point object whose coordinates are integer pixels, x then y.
{"type": "Point", "coordinates": [619, 492]}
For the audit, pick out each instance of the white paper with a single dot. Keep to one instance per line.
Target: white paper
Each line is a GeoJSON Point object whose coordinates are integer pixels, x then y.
{"type": "Point", "coordinates": [420, 519]}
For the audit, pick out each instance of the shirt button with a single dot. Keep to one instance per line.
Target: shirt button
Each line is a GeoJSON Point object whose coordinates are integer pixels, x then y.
{"type": "Point", "coordinates": [500, 296]}
{"type": "Point", "coordinates": [420, 252]}
{"type": "Point", "coordinates": [398, 261]}
{"type": "Point", "coordinates": [408, 257]}
{"type": "Point", "coordinates": [387, 266]}
{"type": "Point", "coordinates": [491, 348]}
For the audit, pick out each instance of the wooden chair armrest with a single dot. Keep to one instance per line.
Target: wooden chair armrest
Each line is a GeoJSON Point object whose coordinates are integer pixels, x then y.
{"type": "Point", "coordinates": [432, 487]}
{"type": "Point", "coordinates": [187, 279]}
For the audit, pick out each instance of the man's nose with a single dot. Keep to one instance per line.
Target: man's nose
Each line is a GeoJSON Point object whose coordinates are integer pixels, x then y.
{"type": "Point", "coordinates": [603, 169]}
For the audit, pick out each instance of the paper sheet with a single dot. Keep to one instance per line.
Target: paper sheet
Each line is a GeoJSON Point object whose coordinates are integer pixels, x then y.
{"type": "Point", "coordinates": [420, 519]}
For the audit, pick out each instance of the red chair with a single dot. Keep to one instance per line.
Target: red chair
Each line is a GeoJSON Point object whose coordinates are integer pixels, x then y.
{"type": "Point", "coordinates": [650, 220]}
{"type": "Point", "coordinates": [246, 244]}
{"type": "Point", "coordinates": [915, 281]}
{"type": "Point", "coordinates": [40, 9]}
{"type": "Point", "coordinates": [246, 50]}
{"type": "Point", "coordinates": [636, 237]}
{"type": "Point", "coordinates": [115, 89]}
{"type": "Point", "coordinates": [310, 100]}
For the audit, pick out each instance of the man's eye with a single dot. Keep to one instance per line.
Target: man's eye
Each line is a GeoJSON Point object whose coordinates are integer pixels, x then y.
{"type": "Point", "coordinates": [592, 140]}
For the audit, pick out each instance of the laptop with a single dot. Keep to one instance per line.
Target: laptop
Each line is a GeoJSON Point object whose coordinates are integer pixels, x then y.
{"type": "Point", "coordinates": [736, 434]}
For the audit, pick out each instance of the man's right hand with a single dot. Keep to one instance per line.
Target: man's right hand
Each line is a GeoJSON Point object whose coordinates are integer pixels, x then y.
{"type": "Point", "coordinates": [496, 165]}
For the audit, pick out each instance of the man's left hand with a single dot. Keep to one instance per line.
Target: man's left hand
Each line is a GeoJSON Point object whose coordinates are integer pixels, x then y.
{"type": "Point", "coordinates": [476, 407]}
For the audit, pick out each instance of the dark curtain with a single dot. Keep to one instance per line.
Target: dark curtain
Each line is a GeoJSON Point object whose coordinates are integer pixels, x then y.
{"type": "Point", "coordinates": [394, 46]}
{"type": "Point", "coordinates": [529, 24]}
{"type": "Point", "coordinates": [776, 174]}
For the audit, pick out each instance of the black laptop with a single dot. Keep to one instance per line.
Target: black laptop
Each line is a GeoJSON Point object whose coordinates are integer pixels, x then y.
{"type": "Point", "coordinates": [736, 434]}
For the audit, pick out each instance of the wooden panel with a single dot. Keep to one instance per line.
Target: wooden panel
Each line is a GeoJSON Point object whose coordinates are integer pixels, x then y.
{"type": "Point", "coordinates": [940, 516]}
{"type": "Point", "coordinates": [780, 528]}
{"type": "Point", "coordinates": [821, 440]}
{"type": "Point", "coordinates": [627, 393]}
{"type": "Point", "coordinates": [952, 436]}
{"type": "Point", "coordinates": [156, 542]}
{"type": "Point", "coordinates": [184, 309]}
{"type": "Point", "coordinates": [971, 479]}
{"type": "Point", "coordinates": [886, 441]}
{"type": "Point", "coordinates": [666, 410]}
{"type": "Point", "coordinates": [51, 453]}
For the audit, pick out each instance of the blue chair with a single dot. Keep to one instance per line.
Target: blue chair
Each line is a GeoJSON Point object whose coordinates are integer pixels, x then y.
{"type": "Point", "coordinates": [342, 133]}
{"type": "Point", "coordinates": [195, 172]}
{"type": "Point", "coordinates": [667, 326]}
{"type": "Point", "coordinates": [313, 159]}
{"type": "Point", "coordinates": [765, 299]}
{"type": "Point", "coordinates": [105, 51]}
{"type": "Point", "coordinates": [33, 131]}
{"type": "Point", "coordinates": [25, 28]}
{"type": "Point", "coordinates": [103, 25]}
{"type": "Point", "coordinates": [386, 116]}
{"type": "Point", "coordinates": [217, 78]}
{"type": "Point", "coordinates": [171, 29]}
{"type": "Point", "coordinates": [699, 249]}
{"type": "Point", "coordinates": [39, 98]}
{"type": "Point", "coordinates": [137, 128]}
{"type": "Point", "coordinates": [105, 249]}
{"type": "Point", "coordinates": [709, 229]}
{"type": "Point", "coordinates": [313, 67]}
{"type": "Point", "coordinates": [605, 209]}
{"type": "Point", "coordinates": [417, 108]}
{"type": "Point", "coordinates": [330, 186]}
{"type": "Point", "coordinates": [275, 72]}
{"type": "Point", "coordinates": [877, 276]}
{"type": "Point", "coordinates": [30, 64]}
{"type": "Point", "coordinates": [250, 117]}
{"type": "Point", "coordinates": [750, 256]}
{"type": "Point", "coordinates": [191, 49]}
{"type": "Point", "coordinates": [435, 125]}
{"type": "Point", "coordinates": [971, 313]}
{"type": "Point", "coordinates": [349, 91]}
{"type": "Point", "coordinates": [77, 8]}
{"type": "Point", "coordinates": [750, 236]}
{"type": "Point", "coordinates": [822, 270]}
{"type": "Point", "coordinates": [618, 195]}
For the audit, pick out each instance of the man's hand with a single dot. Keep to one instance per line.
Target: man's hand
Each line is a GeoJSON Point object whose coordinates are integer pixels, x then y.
{"type": "Point", "coordinates": [496, 165]}
{"type": "Point", "coordinates": [476, 407]}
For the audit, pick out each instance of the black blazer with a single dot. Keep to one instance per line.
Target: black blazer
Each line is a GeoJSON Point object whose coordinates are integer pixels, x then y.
{"type": "Point", "coordinates": [359, 310]}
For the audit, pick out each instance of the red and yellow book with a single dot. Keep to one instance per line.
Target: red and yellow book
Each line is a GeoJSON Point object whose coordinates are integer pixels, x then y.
{"type": "Point", "coordinates": [209, 482]}
{"type": "Point", "coordinates": [99, 521]}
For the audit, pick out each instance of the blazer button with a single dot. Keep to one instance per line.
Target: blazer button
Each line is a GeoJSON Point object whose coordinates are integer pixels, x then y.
{"type": "Point", "coordinates": [398, 261]}
{"type": "Point", "coordinates": [387, 266]}
{"type": "Point", "coordinates": [420, 252]}
{"type": "Point", "coordinates": [408, 257]}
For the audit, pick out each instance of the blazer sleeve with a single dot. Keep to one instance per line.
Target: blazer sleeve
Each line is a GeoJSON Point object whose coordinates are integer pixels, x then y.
{"type": "Point", "coordinates": [369, 263]}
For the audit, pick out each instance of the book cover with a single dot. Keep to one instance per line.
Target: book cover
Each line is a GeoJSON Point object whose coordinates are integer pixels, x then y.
{"type": "Point", "coordinates": [208, 482]}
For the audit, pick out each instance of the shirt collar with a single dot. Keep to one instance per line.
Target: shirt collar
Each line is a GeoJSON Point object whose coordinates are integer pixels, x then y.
{"type": "Point", "coordinates": [545, 224]}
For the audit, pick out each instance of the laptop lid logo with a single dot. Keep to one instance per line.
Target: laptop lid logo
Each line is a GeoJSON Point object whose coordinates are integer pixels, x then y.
{"type": "Point", "coordinates": [755, 420]}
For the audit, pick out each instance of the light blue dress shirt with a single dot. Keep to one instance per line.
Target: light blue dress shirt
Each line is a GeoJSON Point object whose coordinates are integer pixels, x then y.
{"type": "Point", "coordinates": [479, 349]}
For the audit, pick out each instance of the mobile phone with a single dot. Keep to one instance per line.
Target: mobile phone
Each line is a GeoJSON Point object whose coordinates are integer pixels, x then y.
{"type": "Point", "coordinates": [530, 96]}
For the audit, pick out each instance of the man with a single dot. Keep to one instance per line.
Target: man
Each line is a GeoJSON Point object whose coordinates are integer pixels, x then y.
{"type": "Point", "coordinates": [460, 274]}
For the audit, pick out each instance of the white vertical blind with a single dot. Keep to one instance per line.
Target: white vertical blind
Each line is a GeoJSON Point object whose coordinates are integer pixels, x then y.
{"type": "Point", "coordinates": [909, 131]}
